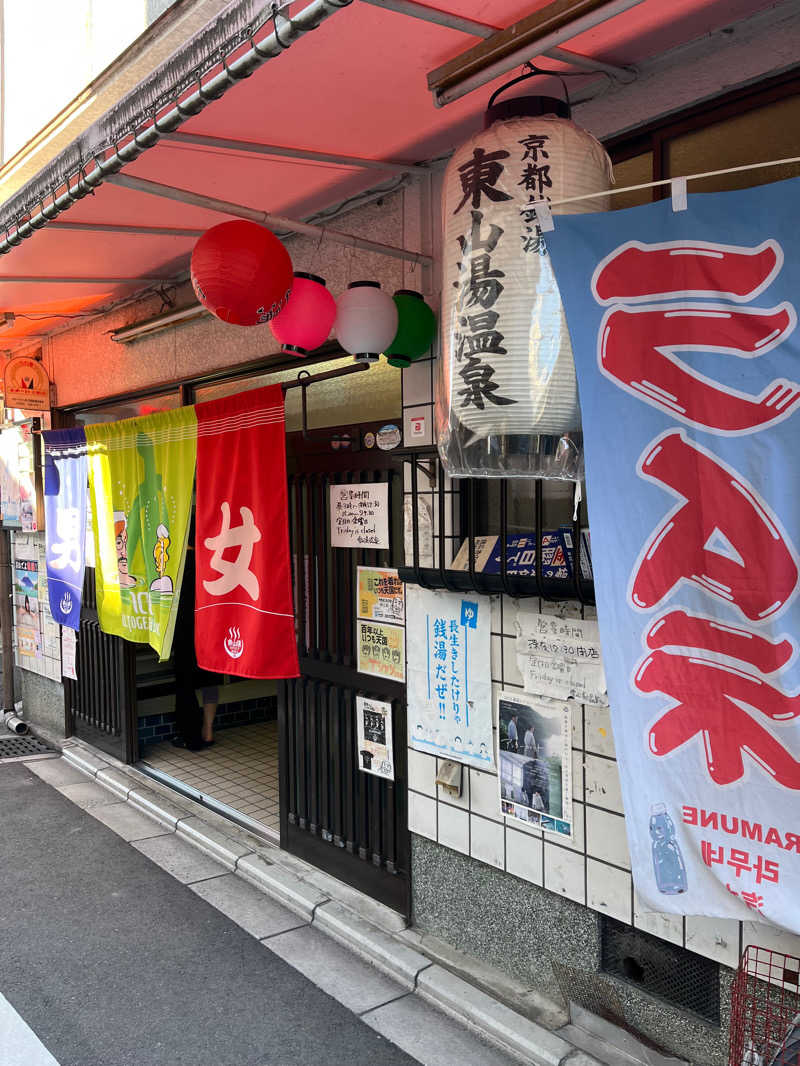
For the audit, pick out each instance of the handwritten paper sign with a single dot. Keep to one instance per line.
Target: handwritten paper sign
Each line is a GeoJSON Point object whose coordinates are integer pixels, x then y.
{"type": "Point", "coordinates": [360, 515]}
{"type": "Point", "coordinates": [560, 657]}
{"type": "Point", "coordinates": [381, 595]}
{"type": "Point", "coordinates": [568, 638]}
{"type": "Point", "coordinates": [374, 729]}
{"type": "Point", "coordinates": [381, 650]}
{"type": "Point", "coordinates": [560, 679]}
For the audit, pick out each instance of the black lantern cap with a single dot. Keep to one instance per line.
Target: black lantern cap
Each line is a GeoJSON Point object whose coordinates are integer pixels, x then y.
{"type": "Point", "coordinates": [311, 277]}
{"type": "Point", "coordinates": [525, 107]}
{"type": "Point", "coordinates": [364, 285]}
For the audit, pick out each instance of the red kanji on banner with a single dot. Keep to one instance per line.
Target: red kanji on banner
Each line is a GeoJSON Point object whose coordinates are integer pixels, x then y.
{"type": "Point", "coordinates": [722, 537]}
{"type": "Point", "coordinates": [635, 271]}
{"type": "Point", "coordinates": [638, 346]}
{"type": "Point", "coordinates": [708, 699]}
{"type": "Point", "coordinates": [679, 629]}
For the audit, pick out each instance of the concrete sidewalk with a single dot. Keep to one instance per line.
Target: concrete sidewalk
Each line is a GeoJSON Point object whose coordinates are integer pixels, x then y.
{"type": "Point", "coordinates": [123, 945]}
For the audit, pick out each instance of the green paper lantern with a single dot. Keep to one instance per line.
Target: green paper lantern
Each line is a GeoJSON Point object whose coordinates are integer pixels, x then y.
{"type": "Point", "coordinates": [416, 329]}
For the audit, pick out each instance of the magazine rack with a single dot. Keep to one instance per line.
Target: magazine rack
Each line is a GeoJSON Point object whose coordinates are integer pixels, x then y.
{"type": "Point", "coordinates": [442, 576]}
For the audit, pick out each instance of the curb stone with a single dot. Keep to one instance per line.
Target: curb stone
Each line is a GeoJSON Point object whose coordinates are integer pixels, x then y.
{"type": "Point", "coordinates": [475, 1009]}
{"type": "Point", "coordinates": [480, 1011]}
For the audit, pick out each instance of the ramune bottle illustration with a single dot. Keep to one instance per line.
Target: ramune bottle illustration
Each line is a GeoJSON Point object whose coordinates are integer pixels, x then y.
{"type": "Point", "coordinates": [668, 865]}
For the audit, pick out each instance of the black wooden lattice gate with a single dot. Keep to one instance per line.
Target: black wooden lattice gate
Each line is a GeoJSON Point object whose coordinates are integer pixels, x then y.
{"type": "Point", "coordinates": [349, 823]}
{"type": "Point", "coordinates": [101, 704]}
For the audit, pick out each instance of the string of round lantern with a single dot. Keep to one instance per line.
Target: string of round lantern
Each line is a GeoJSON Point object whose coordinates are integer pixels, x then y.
{"type": "Point", "coordinates": [366, 320]}
{"type": "Point", "coordinates": [241, 273]}
{"type": "Point", "coordinates": [307, 319]}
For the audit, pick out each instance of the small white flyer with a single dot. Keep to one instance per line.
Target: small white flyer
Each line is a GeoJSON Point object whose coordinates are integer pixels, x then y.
{"type": "Point", "coordinates": [374, 729]}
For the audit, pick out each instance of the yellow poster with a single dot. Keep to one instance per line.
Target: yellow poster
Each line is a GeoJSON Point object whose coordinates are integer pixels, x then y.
{"type": "Point", "coordinates": [380, 595]}
{"type": "Point", "coordinates": [381, 650]}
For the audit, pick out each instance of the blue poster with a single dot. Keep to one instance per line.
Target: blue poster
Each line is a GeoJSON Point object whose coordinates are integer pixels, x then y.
{"type": "Point", "coordinates": [65, 489]}
{"type": "Point", "coordinates": [683, 326]}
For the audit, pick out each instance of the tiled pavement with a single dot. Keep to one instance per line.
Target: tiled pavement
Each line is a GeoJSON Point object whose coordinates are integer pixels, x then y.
{"type": "Point", "coordinates": [241, 769]}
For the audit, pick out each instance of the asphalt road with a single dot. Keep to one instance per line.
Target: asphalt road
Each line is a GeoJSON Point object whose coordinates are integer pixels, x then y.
{"type": "Point", "coordinates": [112, 962]}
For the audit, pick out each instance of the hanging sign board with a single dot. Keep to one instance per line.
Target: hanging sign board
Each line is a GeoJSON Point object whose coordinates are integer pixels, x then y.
{"type": "Point", "coordinates": [449, 676]}
{"type": "Point", "coordinates": [26, 384]}
{"type": "Point", "coordinates": [535, 740]}
{"type": "Point", "coordinates": [360, 515]}
{"type": "Point", "coordinates": [381, 595]}
{"type": "Point", "coordinates": [381, 650]}
{"type": "Point", "coordinates": [374, 729]}
{"type": "Point", "coordinates": [684, 329]}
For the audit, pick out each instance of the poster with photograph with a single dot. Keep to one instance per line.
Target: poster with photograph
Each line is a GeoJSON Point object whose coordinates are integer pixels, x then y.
{"type": "Point", "coordinates": [381, 650]}
{"type": "Point", "coordinates": [374, 729]}
{"type": "Point", "coordinates": [535, 742]}
{"type": "Point", "coordinates": [26, 606]}
{"type": "Point", "coordinates": [17, 479]}
{"type": "Point", "coordinates": [381, 595]}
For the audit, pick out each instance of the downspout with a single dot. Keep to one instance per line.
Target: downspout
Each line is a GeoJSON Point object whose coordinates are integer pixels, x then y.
{"type": "Point", "coordinates": [286, 32]}
{"type": "Point", "coordinates": [6, 623]}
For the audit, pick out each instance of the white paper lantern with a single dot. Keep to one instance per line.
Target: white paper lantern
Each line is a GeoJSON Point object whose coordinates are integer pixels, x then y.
{"type": "Point", "coordinates": [366, 320]}
{"type": "Point", "coordinates": [507, 359]}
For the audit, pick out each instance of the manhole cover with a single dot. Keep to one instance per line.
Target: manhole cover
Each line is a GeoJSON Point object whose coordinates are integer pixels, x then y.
{"type": "Point", "coordinates": [15, 747]}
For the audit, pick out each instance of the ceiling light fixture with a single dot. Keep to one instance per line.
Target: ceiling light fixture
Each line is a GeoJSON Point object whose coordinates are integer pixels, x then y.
{"type": "Point", "coordinates": [155, 325]}
{"type": "Point", "coordinates": [546, 28]}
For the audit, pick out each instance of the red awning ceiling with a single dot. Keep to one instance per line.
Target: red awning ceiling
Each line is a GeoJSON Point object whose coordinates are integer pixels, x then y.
{"type": "Point", "coordinates": [356, 86]}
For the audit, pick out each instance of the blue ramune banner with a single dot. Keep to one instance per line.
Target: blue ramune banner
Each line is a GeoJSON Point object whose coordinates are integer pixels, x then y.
{"type": "Point", "coordinates": [65, 489]}
{"type": "Point", "coordinates": [684, 329]}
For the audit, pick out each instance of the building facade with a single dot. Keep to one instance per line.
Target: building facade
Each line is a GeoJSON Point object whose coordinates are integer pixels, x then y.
{"type": "Point", "coordinates": [549, 921]}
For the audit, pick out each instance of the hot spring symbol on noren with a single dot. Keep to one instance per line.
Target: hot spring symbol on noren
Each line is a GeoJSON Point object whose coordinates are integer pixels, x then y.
{"type": "Point", "coordinates": [233, 643]}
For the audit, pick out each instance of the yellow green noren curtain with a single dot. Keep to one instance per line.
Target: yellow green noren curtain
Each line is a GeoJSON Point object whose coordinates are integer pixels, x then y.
{"type": "Point", "coordinates": [141, 473]}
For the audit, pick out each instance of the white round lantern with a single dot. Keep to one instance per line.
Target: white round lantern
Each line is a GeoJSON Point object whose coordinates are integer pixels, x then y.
{"type": "Point", "coordinates": [508, 372]}
{"type": "Point", "coordinates": [366, 320]}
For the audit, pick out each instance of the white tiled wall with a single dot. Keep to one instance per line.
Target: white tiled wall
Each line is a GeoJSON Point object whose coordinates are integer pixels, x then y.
{"type": "Point", "coordinates": [594, 867]}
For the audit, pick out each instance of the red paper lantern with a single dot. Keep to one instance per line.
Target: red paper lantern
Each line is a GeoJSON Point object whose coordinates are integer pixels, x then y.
{"type": "Point", "coordinates": [307, 319]}
{"type": "Point", "coordinates": [241, 272]}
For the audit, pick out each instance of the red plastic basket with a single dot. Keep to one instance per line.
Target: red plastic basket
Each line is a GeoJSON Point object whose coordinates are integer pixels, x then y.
{"type": "Point", "coordinates": [765, 1001]}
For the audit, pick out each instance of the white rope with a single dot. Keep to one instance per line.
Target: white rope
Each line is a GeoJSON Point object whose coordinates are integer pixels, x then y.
{"type": "Point", "coordinates": [669, 181]}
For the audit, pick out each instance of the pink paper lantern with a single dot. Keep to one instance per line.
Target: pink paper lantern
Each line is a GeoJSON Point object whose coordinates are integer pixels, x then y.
{"type": "Point", "coordinates": [307, 319]}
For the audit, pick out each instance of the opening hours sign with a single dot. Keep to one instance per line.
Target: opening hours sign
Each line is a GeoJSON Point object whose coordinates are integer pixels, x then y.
{"type": "Point", "coordinates": [684, 327]}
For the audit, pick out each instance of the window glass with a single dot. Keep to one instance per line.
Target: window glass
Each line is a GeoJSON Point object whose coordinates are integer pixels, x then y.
{"type": "Point", "coordinates": [366, 397]}
{"type": "Point", "coordinates": [634, 171]}
{"type": "Point", "coordinates": [115, 412]}
{"type": "Point", "coordinates": [770, 132]}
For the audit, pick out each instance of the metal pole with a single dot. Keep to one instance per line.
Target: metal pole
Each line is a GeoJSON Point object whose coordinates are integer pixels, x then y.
{"type": "Point", "coordinates": [6, 620]}
{"type": "Point", "coordinates": [134, 231]}
{"type": "Point", "coordinates": [35, 279]}
{"type": "Point", "coordinates": [211, 203]}
{"type": "Point", "coordinates": [227, 144]}
{"type": "Point", "coordinates": [81, 184]}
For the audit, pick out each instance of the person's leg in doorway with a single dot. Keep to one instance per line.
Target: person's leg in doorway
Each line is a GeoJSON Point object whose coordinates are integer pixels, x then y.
{"type": "Point", "coordinates": [210, 701]}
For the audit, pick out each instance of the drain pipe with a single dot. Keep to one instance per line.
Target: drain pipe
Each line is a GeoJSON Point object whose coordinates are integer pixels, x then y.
{"type": "Point", "coordinates": [7, 623]}
{"type": "Point", "coordinates": [15, 724]}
